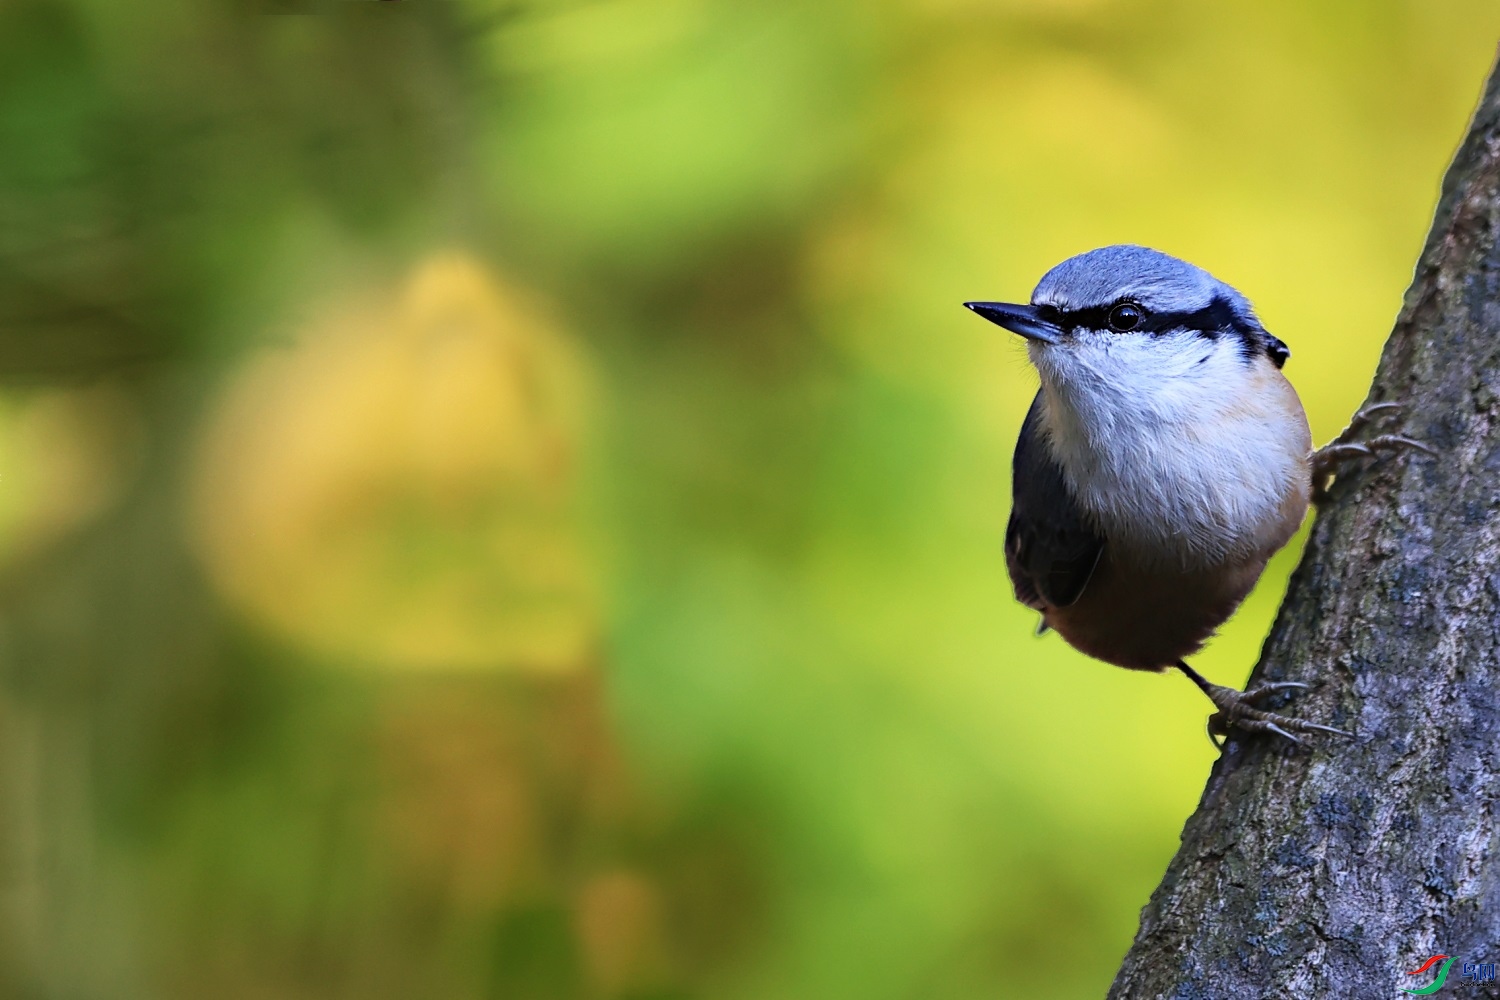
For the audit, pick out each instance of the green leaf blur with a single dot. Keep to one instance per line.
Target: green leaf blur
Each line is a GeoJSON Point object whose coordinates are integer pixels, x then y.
{"type": "Point", "coordinates": [500, 500]}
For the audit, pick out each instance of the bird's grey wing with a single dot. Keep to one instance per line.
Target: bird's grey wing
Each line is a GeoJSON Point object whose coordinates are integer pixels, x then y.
{"type": "Point", "coordinates": [1050, 547]}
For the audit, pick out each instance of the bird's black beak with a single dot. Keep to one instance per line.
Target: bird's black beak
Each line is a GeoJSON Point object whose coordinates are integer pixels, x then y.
{"type": "Point", "coordinates": [1018, 319]}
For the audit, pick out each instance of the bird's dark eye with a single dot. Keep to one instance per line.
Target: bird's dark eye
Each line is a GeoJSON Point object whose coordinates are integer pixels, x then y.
{"type": "Point", "coordinates": [1125, 316]}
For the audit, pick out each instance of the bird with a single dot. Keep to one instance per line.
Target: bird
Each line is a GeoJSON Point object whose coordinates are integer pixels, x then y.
{"type": "Point", "coordinates": [1164, 459]}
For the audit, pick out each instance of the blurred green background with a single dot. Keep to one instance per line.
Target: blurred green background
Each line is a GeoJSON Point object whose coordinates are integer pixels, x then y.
{"type": "Point", "coordinates": [500, 500]}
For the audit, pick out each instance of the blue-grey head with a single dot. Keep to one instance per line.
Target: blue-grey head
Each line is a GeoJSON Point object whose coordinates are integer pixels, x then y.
{"type": "Point", "coordinates": [1094, 299]}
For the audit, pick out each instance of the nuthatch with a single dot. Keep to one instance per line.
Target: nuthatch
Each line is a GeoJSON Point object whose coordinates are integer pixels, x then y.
{"type": "Point", "coordinates": [1164, 460]}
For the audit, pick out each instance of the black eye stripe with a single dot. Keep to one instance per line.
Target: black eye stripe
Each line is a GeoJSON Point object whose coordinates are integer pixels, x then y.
{"type": "Point", "coordinates": [1216, 319]}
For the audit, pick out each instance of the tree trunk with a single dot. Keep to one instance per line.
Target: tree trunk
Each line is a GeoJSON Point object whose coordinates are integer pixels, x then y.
{"type": "Point", "coordinates": [1336, 870]}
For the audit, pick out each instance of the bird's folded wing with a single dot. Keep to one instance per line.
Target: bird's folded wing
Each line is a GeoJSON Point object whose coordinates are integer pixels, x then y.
{"type": "Point", "coordinates": [1050, 547]}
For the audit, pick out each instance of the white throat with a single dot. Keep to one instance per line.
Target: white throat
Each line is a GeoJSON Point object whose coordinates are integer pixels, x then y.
{"type": "Point", "coordinates": [1180, 450]}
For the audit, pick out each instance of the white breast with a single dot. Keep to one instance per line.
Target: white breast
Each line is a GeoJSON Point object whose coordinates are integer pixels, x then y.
{"type": "Point", "coordinates": [1179, 450]}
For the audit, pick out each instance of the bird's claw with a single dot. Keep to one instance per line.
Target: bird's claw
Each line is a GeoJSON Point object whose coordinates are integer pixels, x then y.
{"type": "Point", "coordinates": [1366, 415]}
{"type": "Point", "coordinates": [1396, 442]}
{"type": "Point", "coordinates": [1261, 692]}
{"type": "Point", "coordinates": [1236, 710]}
{"type": "Point", "coordinates": [1326, 460]}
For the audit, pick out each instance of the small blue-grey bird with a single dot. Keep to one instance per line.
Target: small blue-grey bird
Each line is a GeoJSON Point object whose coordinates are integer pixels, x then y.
{"type": "Point", "coordinates": [1164, 460]}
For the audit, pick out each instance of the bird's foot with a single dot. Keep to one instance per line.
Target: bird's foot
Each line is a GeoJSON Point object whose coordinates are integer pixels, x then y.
{"type": "Point", "coordinates": [1327, 459]}
{"type": "Point", "coordinates": [1237, 710]}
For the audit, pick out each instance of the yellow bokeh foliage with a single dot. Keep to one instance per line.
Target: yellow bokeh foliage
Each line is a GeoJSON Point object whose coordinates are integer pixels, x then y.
{"type": "Point", "coordinates": [399, 487]}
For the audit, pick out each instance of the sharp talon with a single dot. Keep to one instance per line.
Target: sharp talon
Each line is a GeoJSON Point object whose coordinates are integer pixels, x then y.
{"type": "Point", "coordinates": [1334, 453]}
{"type": "Point", "coordinates": [1236, 709]}
{"type": "Point", "coordinates": [1263, 691]}
{"type": "Point", "coordinates": [1325, 729]}
{"type": "Point", "coordinates": [1272, 727]}
{"type": "Point", "coordinates": [1375, 409]}
{"type": "Point", "coordinates": [1360, 419]}
{"type": "Point", "coordinates": [1399, 441]}
{"type": "Point", "coordinates": [1370, 413]}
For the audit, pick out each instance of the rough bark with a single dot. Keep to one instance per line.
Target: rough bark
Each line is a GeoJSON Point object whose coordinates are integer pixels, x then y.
{"type": "Point", "coordinates": [1335, 870]}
